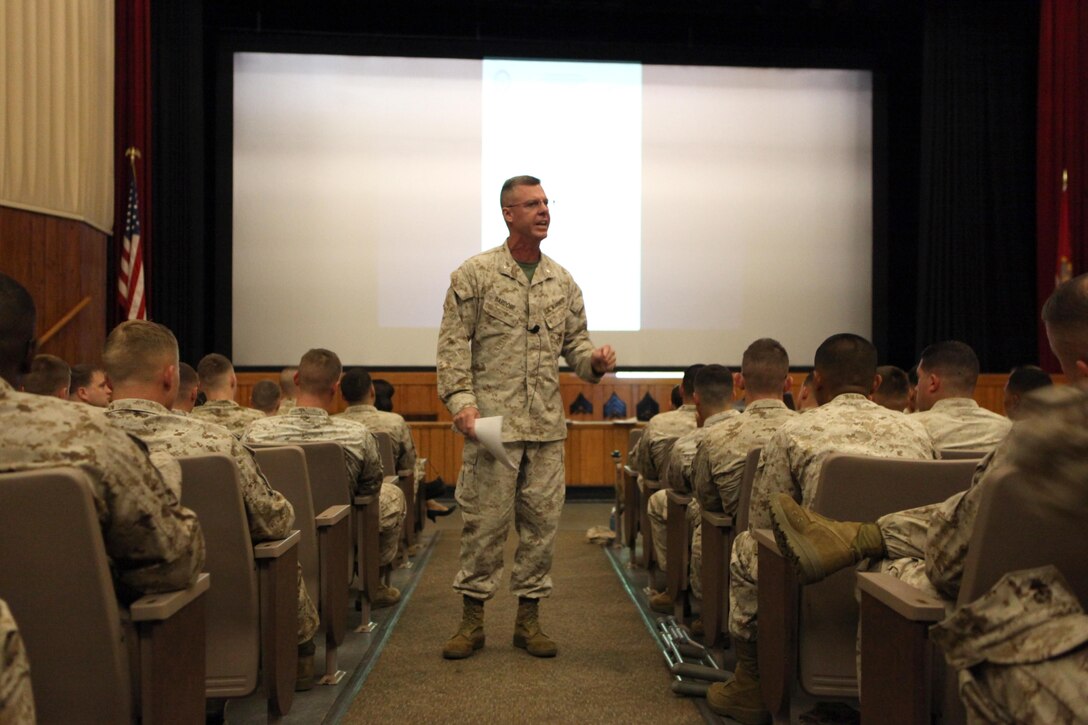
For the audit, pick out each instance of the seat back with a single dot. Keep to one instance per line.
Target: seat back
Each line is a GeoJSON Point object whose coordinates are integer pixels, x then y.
{"type": "Point", "coordinates": [285, 468]}
{"type": "Point", "coordinates": [329, 484]}
{"type": "Point", "coordinates": [385, 449]}
{"type": "Point", "coordinates": [1017, 528]}
{"type": "Point", "coordinates": [210, 486]}
{"type": "Point", "coordinates": [859, 488]}
{"type": "Point", "coordinates": [744, 497]}
{"type": "Point", "coordinates": [953, 454]}
{"type": "Point", "coordinates": [55, 577]}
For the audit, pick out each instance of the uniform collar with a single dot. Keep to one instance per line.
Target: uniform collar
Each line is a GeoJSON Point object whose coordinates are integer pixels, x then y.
{"type": "Point", "coordinates": [361, 407]}
{"type": "Point", "coordinates": [139, 404]}
{"type": "Point", "coordinates": [719, 417]}
{"type": "Point", "coordinates": [509, 267]}
{"type": "Point", "coordinates": [954, 404]}
{"type": "Point", "coordinates": [763, 403]}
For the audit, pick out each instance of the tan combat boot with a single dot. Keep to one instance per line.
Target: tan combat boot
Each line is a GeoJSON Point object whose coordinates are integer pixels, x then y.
{"type": "Point", "coordinates": [661, 603]}
{"type": "Point", "coordinates": [304, 677]}
{"type": "Point", "coordinates": [818, 546]}
{"type": "Point", "coordinates": [740, 698]}
{"type": "Point", "coordinates": [527, 634]}
{"type": "Point", "coordinates": [470, 635]}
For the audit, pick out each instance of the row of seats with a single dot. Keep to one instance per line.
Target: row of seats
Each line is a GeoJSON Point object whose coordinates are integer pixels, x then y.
{"type": "Point", "coordinates": [234, 630]}
{"type": "Point", "coordinates": [809, 634]}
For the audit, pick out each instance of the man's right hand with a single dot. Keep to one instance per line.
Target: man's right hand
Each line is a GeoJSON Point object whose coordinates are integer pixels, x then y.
{"type": "Point", "coordinates": [465, 421]}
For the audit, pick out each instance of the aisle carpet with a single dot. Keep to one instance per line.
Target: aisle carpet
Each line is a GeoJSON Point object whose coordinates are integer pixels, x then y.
{"type": "Point", "coordinates": [609, 668]}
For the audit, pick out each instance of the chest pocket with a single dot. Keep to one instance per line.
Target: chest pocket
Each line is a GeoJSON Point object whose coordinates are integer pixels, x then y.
{"type": "Point", "coordinates": [502, 311]}
{"type": "Point", "coordinates": [555, 317]}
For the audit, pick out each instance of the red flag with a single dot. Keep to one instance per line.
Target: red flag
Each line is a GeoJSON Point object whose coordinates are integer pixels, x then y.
{"type": "Point", "coordinates": [130, 281]}
{"type": "Point", "coordinates": [1064, 270]}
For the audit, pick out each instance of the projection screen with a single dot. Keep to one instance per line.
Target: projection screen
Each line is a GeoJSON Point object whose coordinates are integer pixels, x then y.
{"type": "Point", "coordinates": [699, 208]}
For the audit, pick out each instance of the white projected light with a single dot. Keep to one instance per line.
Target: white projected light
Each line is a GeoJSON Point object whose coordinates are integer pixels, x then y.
{"type": "Point", "coordinates": [698, 208]}
{"type": "Point", "coordinates": [577, 127]}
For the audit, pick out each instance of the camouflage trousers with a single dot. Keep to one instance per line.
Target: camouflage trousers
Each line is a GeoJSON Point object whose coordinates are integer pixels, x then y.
{"type": "Point", "coordinates": [743, 588]}
{"type": "Point", "coordinates": [904, 538]}
{"type": "Point", "coordinates": [657, 509]}
{"type": "Point", "coordinates": [391, 511]}
{"type": "Point", "coordinates": [492, 496]}
{"type": "Point", "coordinates": [308, 620]}
{"type": "Point", "coordinates": [904, 534]}
{"type": "Point", "coordinates": [695, 573]}
{"type": "Point", "coordinates": [16, 696]}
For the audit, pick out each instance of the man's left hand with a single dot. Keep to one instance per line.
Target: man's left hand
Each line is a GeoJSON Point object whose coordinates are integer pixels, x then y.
{"type": "Point", "coordinates": [603, 360]}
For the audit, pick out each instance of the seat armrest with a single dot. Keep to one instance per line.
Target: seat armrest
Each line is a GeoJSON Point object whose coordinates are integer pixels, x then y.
{"type": "Point", "coordinates": [365, 500]}
{"type": "Point", "coordinates": [157, 607]}
{"type": "Point", "coordinates": [650, 484]}
{"type": "Point", "coordinates": [765, 537]}
{"type": "Point", "coordinates": [332, 515]}
{"type": "Point", "coordinates": [719, 520]}
{"type": "Point", "coordinates": [676, 497]}
{"type": "Point", "coordinates": [405, 473]}
{"type": "Point", "coordinates": [279, 547]}
{"type": "Point", "coordinates": [630, 471]}
{"type": "Point", "coordinates": [908, 602]}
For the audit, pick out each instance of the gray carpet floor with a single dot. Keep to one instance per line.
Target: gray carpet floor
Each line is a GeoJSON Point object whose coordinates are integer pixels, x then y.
{"type": "Point", "coordinates": [609, 668]}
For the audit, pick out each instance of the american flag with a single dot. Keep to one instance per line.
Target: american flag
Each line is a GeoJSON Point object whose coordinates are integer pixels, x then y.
{"type": "Point", "coordinates": [130, 282]}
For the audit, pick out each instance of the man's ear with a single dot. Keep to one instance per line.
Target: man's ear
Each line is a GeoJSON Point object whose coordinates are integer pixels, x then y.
{"type": "Point", "coordinates": [787, 384]}
{"type": "Point", "coordinates": [1082, 369]}
{"type": "Point", "coordinates": [877, 380]}
{"type": "Point", "coordinates": [295, 378]}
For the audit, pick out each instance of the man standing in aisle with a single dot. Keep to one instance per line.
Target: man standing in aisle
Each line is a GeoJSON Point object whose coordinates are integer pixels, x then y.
{"type": "Point", "coordinates": [508, 315]}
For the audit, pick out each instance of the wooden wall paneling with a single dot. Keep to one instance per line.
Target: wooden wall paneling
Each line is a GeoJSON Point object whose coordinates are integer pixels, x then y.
{"type": "Point", "coordinates": [59, 261]}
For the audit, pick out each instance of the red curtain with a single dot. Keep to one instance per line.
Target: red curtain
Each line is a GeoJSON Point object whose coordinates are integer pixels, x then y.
{"type": "Point", "coordinates": [1062, 143]}
{"type": "Point", "coordinates": [132, 128]}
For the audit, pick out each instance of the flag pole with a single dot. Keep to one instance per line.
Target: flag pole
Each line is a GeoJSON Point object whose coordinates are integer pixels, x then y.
{"type": "Point", "coordinates": [132, 153]}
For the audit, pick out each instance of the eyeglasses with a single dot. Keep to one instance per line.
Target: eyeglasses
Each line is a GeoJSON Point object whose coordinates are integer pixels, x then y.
{"type": "Point", "coordinates": [531, 205]}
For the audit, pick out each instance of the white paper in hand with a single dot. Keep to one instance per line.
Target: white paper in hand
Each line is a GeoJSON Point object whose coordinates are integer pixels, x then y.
{"type": "Point", "coordinates": [489, 433]}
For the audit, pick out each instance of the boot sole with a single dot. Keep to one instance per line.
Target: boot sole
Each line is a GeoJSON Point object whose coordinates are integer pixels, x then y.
{"type": "Point", "coordinates": [795, 547]}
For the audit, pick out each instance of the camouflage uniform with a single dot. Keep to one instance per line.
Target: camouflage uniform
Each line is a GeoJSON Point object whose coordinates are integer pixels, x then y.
{"type": "Point", "coordinates": [154, 543]}
{"type": "Point", "coordinates": [651, 453]}
{"type": "Point", "coordinates": [1020, 651]}
{"type": "Point", "coordinates": [961, 424]}
{"type": "Point", "coordinates": [677, 474]}
{"type": "Point", "coordinates": [718, 466]}
{"type": "Point", "coordinates": [286, 406]}
{"type": "Point", "coordinates": [791, 463]}
{"type": "Point", "coordinates": [16, 695]}
{"type": "Point", "coordinates": [404, 448]}
{"type": "Point", "coordinates": [303, 425]}
{"type": "Point", "coordinates": [931, 541]}
{"type": "Point", "coordinates": [269, 514]}
{"type": "Point", "coordinates": [228, 414]}
{"type": "Point", "coordinates": [498, 351]}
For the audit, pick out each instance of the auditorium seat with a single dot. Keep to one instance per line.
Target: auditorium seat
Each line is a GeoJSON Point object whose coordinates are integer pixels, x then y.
{"type": "Point", "coordinates": [330, 486]}
{"type": "Point", "coordinates": [807, 637]}
{"type": "Point", "coordinates": [1014, 530]}
{"type": "Point", "coordinates": [404, 479]}
{"type": "Point", "coordinates": [631, 497]}
{"type": "Point", "coordinates": [719, 531]}
{"type": "Point", "coordinates": [55, 576]}
{"type": "Point", "coordinates": [678, 552]}
{"type": "Point", "coordinates": [323, 545]}
{"type": "Point", "coordinates": [952, 454]}
{"type": "Point", "coordinates": [253, 606]}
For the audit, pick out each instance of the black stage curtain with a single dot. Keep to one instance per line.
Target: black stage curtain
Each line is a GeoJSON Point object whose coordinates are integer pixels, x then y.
{"type": "Point", "coordinates": [183, 276]}
{"type": "Point", "coordinates": [976, 255]}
